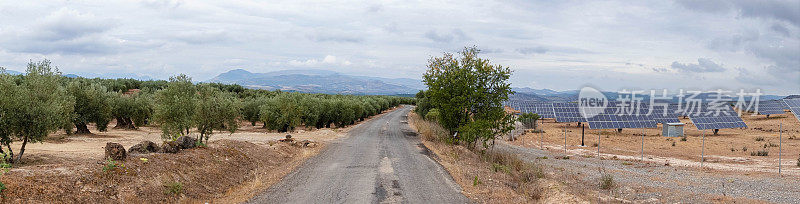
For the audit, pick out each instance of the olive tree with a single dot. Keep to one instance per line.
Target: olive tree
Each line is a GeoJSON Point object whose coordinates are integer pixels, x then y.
{"type": "Point", "coordinates": [215, 110]}
{"type": "Point", "coordinates": [131, 110]}
{"type": "Point", "coordinates": [251, 108]}
{"type": "Point", "coordinates": [92, 105]}
{"type": "Point", "coordinates": [175, 106]}
{"type": "Point", "coordinates": [34, 107]}
{"type": "Point", "coordinates": [281, 113]}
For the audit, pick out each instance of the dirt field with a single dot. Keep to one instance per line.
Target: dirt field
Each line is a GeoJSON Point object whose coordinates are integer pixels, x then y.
{"type": "Point", "coordinates": [232, 169]}
{"type": "Point", "coordinates": [729, 150]}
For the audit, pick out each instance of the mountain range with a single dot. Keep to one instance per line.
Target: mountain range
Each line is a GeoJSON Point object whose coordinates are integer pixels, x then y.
{"type": "Point", "coordinates": [320, 81]}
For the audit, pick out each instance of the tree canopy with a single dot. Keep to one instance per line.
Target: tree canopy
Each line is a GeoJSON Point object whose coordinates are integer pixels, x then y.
{"type": "Point", "coordinates": [468, 92]}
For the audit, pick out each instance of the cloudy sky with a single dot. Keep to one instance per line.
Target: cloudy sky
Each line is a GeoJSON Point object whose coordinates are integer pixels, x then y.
{"type": "Point", "coordinates": [559, 45]}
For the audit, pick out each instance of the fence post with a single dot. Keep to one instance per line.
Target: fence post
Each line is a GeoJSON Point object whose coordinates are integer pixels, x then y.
{"type": "Point", "coordinates": [642, 144]}
{"type": "Point", "coordinates": [780, 146]}
{"type": "Point", "coordinates": [703, 151]}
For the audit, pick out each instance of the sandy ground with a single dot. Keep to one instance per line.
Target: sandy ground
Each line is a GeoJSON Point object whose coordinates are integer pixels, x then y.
{"type": "Point", "coordinates": [60, 147]}
{"type": "Point", "coordinates": [730, 150]}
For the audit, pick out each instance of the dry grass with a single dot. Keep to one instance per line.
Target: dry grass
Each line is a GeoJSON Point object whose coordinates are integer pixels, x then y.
{"type": "Point", "coordinates": [494, 176]}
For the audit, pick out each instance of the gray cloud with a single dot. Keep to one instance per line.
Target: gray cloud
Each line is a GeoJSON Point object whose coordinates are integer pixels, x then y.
{"type": "Point", "coordinates": [455, 35]}
{"type": "Point", "coordinates": [780, 29]}
{"type": "Point", "coordinates": [532, 50]}
{"type": "Point", "coordinates": [703, 65]}
{"type": "Point", "coordinates": [393, 39]}
{"type": "Point", "coordinates": [783, 10]}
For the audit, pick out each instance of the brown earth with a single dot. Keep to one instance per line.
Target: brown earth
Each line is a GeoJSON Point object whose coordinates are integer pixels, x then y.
{"type": "Point", "coordinates": [232, 169]}
{"type": "Point", "coordinates": [481, 183]}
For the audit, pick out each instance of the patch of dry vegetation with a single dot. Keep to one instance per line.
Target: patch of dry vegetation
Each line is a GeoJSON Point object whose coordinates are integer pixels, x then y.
{"type": "Point", "coordinates": [226, 170]}
{"type": "Point", "coordinates": [493, 176]}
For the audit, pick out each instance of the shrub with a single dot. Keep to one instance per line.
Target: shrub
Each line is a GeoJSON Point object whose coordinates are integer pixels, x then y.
{"type": "Point", "coordinates": [111, 165]}
{"type": "Point", "coordinates": [606, 181]}
{"type": "Point", "coordinates": [433, 115]}
{"type": "Point", "coordinates": [759, 139]}
{"type": "Point", "coordinates": [174, 188]}
{"type": "Point", "coordinates": [761, 153]}
{"type": "Point", "coordinates": [673, 143]}
{"type": "Point", "coordinates": [798, 161]}
{"type": "Point", "coordinates": [744, 149]}
{"type": "Point", "coordinates": [683, 138]}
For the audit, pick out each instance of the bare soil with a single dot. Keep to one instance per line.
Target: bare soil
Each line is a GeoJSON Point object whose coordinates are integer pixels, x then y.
{"type": "Point", "coordinates": [232, 169]}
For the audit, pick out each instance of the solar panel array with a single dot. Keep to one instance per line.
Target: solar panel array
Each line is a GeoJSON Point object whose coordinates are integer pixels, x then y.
{"type": "Point", "coordinates": [544, 109]}
{"type": "Point", "coordinates": [769, 107]}
{"type": "Point", "coordinates": [794, 106]}
{"type": "Point", "coordinates": [715, 116]}
{"type": "Point", "coordinates": [619, 118]}
{"type": "Point", "coordinates": [567, 113]}
{"type": "Point", "coordinates": [664, 115]}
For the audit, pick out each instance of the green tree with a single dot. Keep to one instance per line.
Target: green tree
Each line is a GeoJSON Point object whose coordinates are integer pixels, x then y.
{"type": "Point", "coordinates": [282, 113]}
{"type": "Point", "coordinates": [175, 106]}
{"type": "Point", "coordinates": [215, 110]}
{"type": "Point", "coordinates": [34, 107]}
{"type": "Point", "coordinates": [92, 105]}
{"type": "Point", "coordinates": [468, 92]}
{"type": "Point", "coordinates": [131, 110]}
{"type": "Point", "coordinates": [251, 109]}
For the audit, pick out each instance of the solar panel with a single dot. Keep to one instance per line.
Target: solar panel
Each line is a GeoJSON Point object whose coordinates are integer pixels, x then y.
{"type": "Point", "coordinates": [664, 115]}
{"type": "Point", "coordinates": [794, 106]}
{"type": "Point", "coordinates": [769, 107]}
{"type": "Point", "coordinates": [544, 109]}
{"type": "Point", "coordinates": [567, 113]}
{"type": "Point", "coordinates": [796, 112]}
{"type": "Point", "coordinates": [618, 118]}
{"type": "Point", "coordinates": [792, 103]}
{"type": "Point", "coordinates": [710, 116]}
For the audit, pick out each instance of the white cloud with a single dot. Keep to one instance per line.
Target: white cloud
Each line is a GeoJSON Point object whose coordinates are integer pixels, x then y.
{"type": "Point", "coordinates": [551, 44]}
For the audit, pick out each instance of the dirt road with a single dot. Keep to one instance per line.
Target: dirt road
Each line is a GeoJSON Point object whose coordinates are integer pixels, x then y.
{"type": "Point", "coordinates": [381, 161]}
{"type": "Point", "coordinates": [658, 183]}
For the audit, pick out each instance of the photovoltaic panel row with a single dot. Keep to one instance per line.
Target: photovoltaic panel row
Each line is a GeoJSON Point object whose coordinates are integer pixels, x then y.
{"type": "Point", "coordinates": [712, 116]}
{"type": "Point", "coordinates": [616, 118]}
{"type": "Point", "coordinates": [664, 115]}
{"type": "Point", "coordinates": [660, 112]}
{"type": "Point", "coordinates": [796, 112]}
{"type": "Point", "coordinates": [706, 123]}
{"type": "Point", "coordinates": [792, 103]}
{"type": "Point", "coordinates": [544, 109]}
{"type": "Point", "coordinates": [567, 113]}
{"type": "Point", "coordinates": [769, 107]}
{"type": "Point", "coordinates": [794, 106]}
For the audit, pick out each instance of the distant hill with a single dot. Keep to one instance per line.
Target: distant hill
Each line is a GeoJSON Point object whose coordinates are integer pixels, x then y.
{"type": "Point", "coordinates": [320, 81]}
{"type": "Point", "coordinates": [12, 72]}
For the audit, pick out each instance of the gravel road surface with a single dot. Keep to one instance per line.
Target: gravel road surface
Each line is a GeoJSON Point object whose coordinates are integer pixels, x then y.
{"type": "Point", "coordinates": [658, 183]}
{"type": "Point", "coordinates": [381, 161]}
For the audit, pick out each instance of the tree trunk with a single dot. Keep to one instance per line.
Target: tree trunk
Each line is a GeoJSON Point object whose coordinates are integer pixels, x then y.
{"type": "Point", "coordinates": [22, 149]}
{"type": "Point", "coordinates": [125, 123]}
{"type": "Point", "coordinates": [121, 123]}
{"type": "Point", "coordinates": [10, 152]}
{"type": "Point", "coordinates": [82, 129]}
